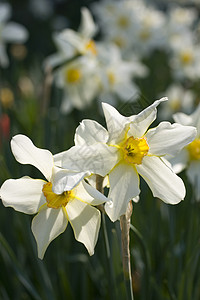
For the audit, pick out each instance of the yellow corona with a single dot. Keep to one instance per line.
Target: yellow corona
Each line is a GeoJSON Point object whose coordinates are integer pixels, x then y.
{"type": "Point", "coordinates": [194, 149]}
{"type": "Point", "coordinates": [54, 200]}
{"type": "Point", "coordinates": [134, 149]}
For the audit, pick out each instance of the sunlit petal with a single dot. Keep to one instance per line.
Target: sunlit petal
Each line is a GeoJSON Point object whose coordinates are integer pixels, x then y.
{"type": "Point", "coordinates": [180, 161]}
{"type": "Point", "coordinates": [26, 152]}
{"type": "Point", "coordinates": [85, 221]}
{"type": "Point", "coordinates": [89, 194]}
{"type": "Point", "coordinates": [169, 138]}
{"type": "Point", "coordinates": [24, 194]}
{"type": "Point", "coordinates": [46, 226]}
{"type": "Point", "coordinates": [124, 185]}
{"type": "Point", "coordinates": [163, 182]}
{"type": "Point", "coordinates": [98, 158]}
{"type": "Point", "coordinates": [90, 132]}
{"type": "Point", "coordinates": [144, 119]}
{"type": "Point", "coordinates": [65, 180]}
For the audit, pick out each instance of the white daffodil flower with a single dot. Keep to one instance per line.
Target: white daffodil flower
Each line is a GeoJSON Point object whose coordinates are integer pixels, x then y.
{"type": "Point", "coordinates": [180, 19]}
{"type": "Point", "coordinates": [82, 41]}
{"type": "Point", "coordinates": [128, 149]}
{"type": "Point", "coordinates": [116, 75]}
{"type": "Point", "coordinates": [64, 196]}
{"type": "Point", "coordinates": [189, 157]}
{"type": "Point", "coordinates": [71, 43]}
{"type": "Point", "coordinates": [79, 83]}
{"type": "Point", "coordinates": [180, 100]}
{"type": "Point", "coordinates": [184, 60]}
{"type": "Point", "coordinates": [10, 32]}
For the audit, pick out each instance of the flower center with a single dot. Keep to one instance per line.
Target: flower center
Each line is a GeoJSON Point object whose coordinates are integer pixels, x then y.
{"type": "Point", "coordinates": [135, 149]}
{"type": "Point", "coordinates": [144, 34]}
{"type": "Point", "coordinates": [72, 75]}
{"type": "Point", "coordinates": [111, 77]}
{"type": "Point", "coordinates": [123, 22]}
{"type": "Point", "coordinates": [119, 41]}
{"type": "Point", "coordinates": [175, 104]}
{"type": "Point", "coordinates": [91, 46]}
{"type": "Point", "coordinates": [54, 200]}
{"type": "Point", "coordinates": [194, 149]}
{"type": "Point", "coordinates": [186, 57]}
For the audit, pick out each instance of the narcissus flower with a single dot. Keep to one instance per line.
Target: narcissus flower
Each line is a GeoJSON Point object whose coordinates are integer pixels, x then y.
{"type": "Point", "coordinates": [79, 83]}
{"type": "Point", "coordinates": [189, 157]}
{"type": "Point", "coordinates": [71, 43]}
{"type": "Point", "coordinates": [180, 100]}
{"type": "Point", "coordinates": [128, 149]}
{"type": "Point", "coordinates": [64, 196]}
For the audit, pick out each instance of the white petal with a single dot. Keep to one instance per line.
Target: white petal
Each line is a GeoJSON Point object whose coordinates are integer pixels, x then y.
{"type": "Point", "coordinates": [89, 194]}
{"type": "Point", "coordinates": [24, 194]}
{"type": "Point", "coordinates": [193, 173]}
{"type": "Point", "coordinates": [58, 159]}
{"type": "Point", "coordinates": [85, 221]}
{"type": "Point", "coordinates": [5, 12]}
{"type": "Point", "coordinates": [115, 123]}
{"type": "Point", "coordinates": [124, 185]}
{"type": "Point", "coordinates": [73, 38]}
{"type": "Point", "coordinates": [182, 118]}
{"type": "Point", "coordinates": [26, 152]}
{"type": "Point", "coordinates": [46, 226]}
{"type": "Point", "coordinates": [66, 106]}
{"type": "Point", "coordinates": [179, 162]}
{"type": "Point", "coordinates": [87, 27]}
{"type": "Point", "coordinates": [163, 182]}
{"type": "Point", "coordinates": [64, 48]}
{"type": "Point", "coordinates": [143, 120]}
{"type": "Point", "coordinates": [90, 132]}
{"type": "Point", "coordinates": [98, 158]}
{"type": "Point", "coordinates": [65, 180]}
{"type": "Point", "coordinates": [188, 119]}
{"type": "Point", "coordinates": [15, 33]}
{"type": "Point", "coordinates": [169, 138]}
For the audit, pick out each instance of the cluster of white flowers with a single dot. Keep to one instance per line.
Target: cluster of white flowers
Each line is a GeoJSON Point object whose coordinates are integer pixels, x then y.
{"type": "Point", "coordinates": [121, 153]}
{"type": "Point", "coordinates": [86, 69]}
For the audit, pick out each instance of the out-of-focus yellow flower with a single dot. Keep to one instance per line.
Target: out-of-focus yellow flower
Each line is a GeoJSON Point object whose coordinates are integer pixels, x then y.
{"type": "Point", "coordinates": [18, 51]}
{"type": "Point", "coordinates": [6, 97]}
{"type": "Point", "coordinates": [26, 86]}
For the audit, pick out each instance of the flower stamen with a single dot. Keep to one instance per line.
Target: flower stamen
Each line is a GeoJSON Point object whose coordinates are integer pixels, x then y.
{"type": "Point", "coordinates": [134, 149]}
{"type": "Point", "coordinates": [91, 46]}
{"type": "Point", "coordinates": [55, 200]}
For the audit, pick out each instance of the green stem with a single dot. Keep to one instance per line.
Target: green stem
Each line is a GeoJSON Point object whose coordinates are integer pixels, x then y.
{"type": "Point", "coordinates": [99, 187]}
{"type": "Point", "coordinates": [146, 256]}
{"type": "Point", "coordinates": [125, 229]}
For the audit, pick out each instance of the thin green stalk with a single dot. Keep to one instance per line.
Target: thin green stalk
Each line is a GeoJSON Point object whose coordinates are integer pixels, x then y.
{"type": "Point", "coordinates": [99, 187]}
{"type": "Point", "coordinates": [146, 256]}
{"type": "Point", "coordinates": [125, 230]}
